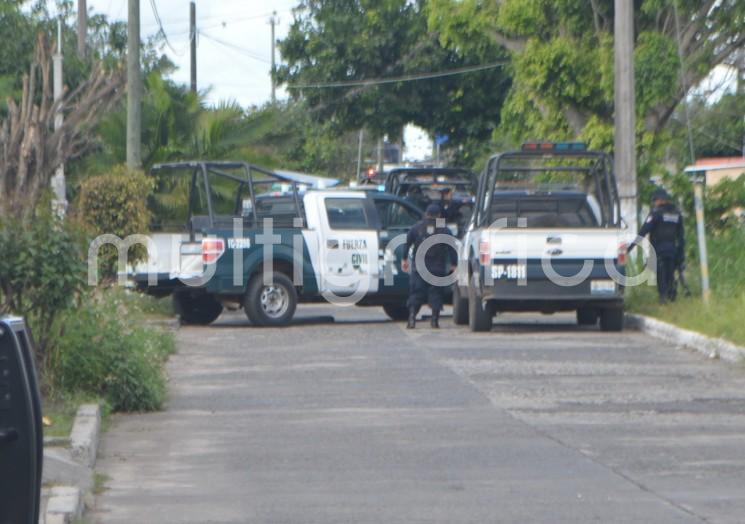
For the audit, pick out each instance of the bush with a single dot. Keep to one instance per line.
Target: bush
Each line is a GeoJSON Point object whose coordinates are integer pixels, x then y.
{"type": "Point", "coordinates": [105, 350]}
{"type": "Point", "coordinates": [116, 203]}
{"type": "Point", "coordinates": [42, 271]}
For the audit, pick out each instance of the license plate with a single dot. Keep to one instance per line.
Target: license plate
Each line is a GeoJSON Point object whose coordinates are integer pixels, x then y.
{"type": "Point", "coordinates": [602, 287]}
{"type": "Point", "coordinates": [509, 271]}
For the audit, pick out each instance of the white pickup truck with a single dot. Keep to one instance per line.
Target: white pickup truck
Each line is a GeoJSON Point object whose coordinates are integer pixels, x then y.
{"type": "Point", "coordinates": [545, 236]}
{"type": "Point", "coordinates": [322, 244]}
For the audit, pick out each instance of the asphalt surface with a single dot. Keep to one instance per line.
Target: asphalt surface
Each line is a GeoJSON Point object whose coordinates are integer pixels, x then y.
{"type": "Point", "coordinates": [348, 418]}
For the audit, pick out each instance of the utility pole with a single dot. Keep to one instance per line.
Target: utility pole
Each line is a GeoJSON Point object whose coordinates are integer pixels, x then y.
{"type": "Point", "coordinates": [59, 204]}
{"type": "Point", "coordinates": [134, 87]}
{"type": "Point", "coordinates": [625, 113]}
{"type": "Point", "coordinates": [273, 22]}
{"type": "Point", "coordinates": [193, 42]}
{"type": "Point", "coordinates": [82, 27]}
{"type": "Point", "coordinates": [359, 154]}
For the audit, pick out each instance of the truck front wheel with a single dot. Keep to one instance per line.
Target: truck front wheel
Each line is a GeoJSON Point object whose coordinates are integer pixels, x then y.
{"type": "Point", "coordinates": [273, 304]}
{"type": "Point", "coordinates": [198, 310]}
{"type": "Point", "coordinates": [397, 312]}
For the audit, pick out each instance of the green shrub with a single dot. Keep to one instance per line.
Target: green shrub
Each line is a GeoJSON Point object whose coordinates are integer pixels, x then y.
{"type": "Point", "coordinates": [116, 203]}
{"type": "Point", "coordinates": [105, 350]}
{"type": "Point", "coordinates": [42, 271]}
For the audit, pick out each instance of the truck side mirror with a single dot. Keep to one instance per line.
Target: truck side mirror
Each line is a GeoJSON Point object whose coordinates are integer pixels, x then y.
{"type": "Point", "coordinates": [21, 439]}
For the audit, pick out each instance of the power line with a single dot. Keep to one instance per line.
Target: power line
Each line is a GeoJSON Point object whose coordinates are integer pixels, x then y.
{"type": "Point", "coordinates": [702, 131]}
{"type": "Point", "coordinates": [397, 79]}
{"type": "Point", "coordinates": [162, 31]}
{"type": "Point", "coordinates": [242, 50]}
{"type": "Point", "coordinates": [226, 19]}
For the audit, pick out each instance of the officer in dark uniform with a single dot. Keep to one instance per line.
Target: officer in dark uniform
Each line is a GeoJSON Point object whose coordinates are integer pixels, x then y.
{"type": "Point", "coordinates": [439, 260]}
{"type": "Point", "coordinates": [664, 225]}
{"type": "Point", "coordinates": [450, 209]}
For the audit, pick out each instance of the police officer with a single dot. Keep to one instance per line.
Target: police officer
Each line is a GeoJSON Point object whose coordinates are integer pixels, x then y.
{"type": "Point", "coordinates": [450, 209]}
{"type": "Point", "coordinates": [664, 225]}
{"type": "Point", "coordinates": [439, 260]}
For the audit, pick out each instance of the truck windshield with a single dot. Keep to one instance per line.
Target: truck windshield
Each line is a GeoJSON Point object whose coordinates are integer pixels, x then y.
{"type": "Point", "coordinates": [551, 190]}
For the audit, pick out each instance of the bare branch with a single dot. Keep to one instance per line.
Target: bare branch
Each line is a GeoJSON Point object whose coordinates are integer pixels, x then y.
{"type": "Point", "coordinates": [516, 45]}
{"type": "Point", "coordinates": [30, 148]}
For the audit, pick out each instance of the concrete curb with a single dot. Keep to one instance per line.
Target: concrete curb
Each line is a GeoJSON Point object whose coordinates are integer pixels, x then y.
{"type": "Point", "coordinates": [71, 468]}
{"type": "Point", "coordinates": [711, 347]}
{"type": "Point", "coordinates": [84, 434]}
{"type": "Point", "coordinates": [65, 505]}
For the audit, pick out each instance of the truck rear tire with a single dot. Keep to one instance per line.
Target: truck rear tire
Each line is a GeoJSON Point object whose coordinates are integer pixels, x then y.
{"type": "Point", "coordinates": [396, 312]}
{"type": "Point", "coordinates": [460, 307]}
{"type": "Point", "coordinates": [479, 317]}
{"type": "Point", "coordinates": [587, 316]}
{"type": "Point", "coordinates": [272, 305]}
{"type": "Point", "coordinates": [196, 310]}
{"type": "Point", "coordinates": [612, 319]}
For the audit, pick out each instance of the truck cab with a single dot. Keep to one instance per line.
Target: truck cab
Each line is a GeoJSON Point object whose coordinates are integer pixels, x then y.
{"type": "Point", "coordinates": [546, 236]}
{"type": "Point", "coordinates": [250, 238]}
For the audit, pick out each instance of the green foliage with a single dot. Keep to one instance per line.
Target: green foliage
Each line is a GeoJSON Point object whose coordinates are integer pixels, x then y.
{"type": "Point", "coordinates": [717, 127]}
{"type": "Point", "coordinates": [343, 40]}
{"type": "Point", "coordinates": [723, 316]}
{"type": "Point", "coordinates": [41, 271]}
{"type": "Point", "coordinates": [722, 203]}
{"type": "Point", "coordinates": [116, 203]}
{"type": "Point", "coordinates": [656, 69]}
{"type": "Point", "coordinates": [105, 350]}
{"type": "Point", "coordinates": [562, 54]}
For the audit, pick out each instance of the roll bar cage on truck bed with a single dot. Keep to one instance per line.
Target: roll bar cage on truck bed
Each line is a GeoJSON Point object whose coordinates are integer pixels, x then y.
{"type": "Point", "coordinates": [250, 179]}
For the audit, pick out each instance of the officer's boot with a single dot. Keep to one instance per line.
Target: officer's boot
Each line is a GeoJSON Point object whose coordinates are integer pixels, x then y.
{"type": "Point", "coordinates": [435, 321]}
{"type": "Point", "coordinates": [412, 319]}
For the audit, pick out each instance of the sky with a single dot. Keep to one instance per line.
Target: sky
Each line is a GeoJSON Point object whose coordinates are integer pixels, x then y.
{"type": "Point", "coordinates": [233, 51]}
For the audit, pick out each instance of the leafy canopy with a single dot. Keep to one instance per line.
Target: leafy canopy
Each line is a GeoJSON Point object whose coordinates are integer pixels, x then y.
{"type": "Point", "coordinates": [357, 40]}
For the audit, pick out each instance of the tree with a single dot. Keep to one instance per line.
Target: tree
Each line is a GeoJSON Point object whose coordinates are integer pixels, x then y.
{"type": "Point", "coordinates": [358, 40]}
{"type": "Point", "coordinates": [563, 58]}
{"type": "Point", "coordinates": [30, 148]}
{"type": "Point", "coordinates": [718, 128]}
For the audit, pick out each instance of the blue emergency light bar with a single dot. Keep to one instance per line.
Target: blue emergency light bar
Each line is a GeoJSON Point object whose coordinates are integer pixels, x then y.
{"type": "Point", "coordinates": [554, 146]}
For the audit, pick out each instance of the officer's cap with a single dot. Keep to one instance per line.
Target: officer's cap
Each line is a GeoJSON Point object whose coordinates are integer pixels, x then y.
{"type": "Point", "coordinates": [660, 194]}
{"type": "Point", "coordinates": [433, 210]}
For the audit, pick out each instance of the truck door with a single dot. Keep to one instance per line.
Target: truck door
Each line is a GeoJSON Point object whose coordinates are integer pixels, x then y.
{"type": "Point", "coordinates": [21, 440]}
{"type": "Point", "coordinates": [348, 244]}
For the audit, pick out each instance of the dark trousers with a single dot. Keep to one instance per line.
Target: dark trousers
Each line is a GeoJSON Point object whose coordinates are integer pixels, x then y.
{"type": "Point", "coordinates": [421, 292]}
{"type": "Point", "coordinates": [666, 277]}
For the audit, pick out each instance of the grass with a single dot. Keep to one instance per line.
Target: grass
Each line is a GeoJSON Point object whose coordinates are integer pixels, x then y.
{"type": "Point", "coordinates": [99, 483]}
{"type": "Point", "coordinates": [61, 414]}
{"type": "Point", "coordinates": [106, 350]}
{"type": "Point", "coordinates": [724, 316]}
{"type": "Point", "coordinates": [148, 306]}
{"type": "Point", "coordinates": [60, 410]}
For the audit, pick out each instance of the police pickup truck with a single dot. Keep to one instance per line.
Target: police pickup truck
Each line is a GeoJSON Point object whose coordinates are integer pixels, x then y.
{"type": "Point", "coordinates": [249, 237]}
{"type": "Point", "coordinates": [545, 236]}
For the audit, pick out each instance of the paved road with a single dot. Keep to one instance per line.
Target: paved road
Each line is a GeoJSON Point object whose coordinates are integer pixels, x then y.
{"type": "Point", "coordinates": [360, 421]}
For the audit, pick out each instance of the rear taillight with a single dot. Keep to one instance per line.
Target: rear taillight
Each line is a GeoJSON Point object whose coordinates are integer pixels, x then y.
{"type": "Point", "coordinates": [622, 253]}
{"type": "Point", "coordinates": [484, 253]}
{"type": "Point", "coordinates": [212, 249]}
